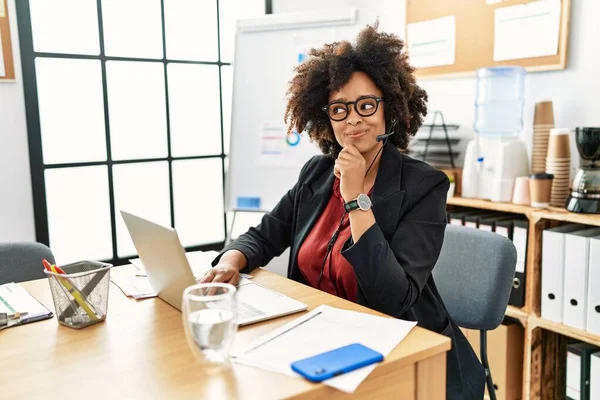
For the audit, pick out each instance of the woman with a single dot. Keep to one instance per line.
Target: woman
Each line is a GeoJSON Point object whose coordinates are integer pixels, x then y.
{"type": "Point", "coordinates": [364, 221]}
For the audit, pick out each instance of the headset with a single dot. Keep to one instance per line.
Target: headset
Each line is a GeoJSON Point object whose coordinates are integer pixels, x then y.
{"type": "Point", "coordinates": [380, 138]}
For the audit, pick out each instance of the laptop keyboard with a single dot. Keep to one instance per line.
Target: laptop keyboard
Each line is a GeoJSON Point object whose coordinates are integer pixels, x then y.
{"type": "Point", "coordinates": [246, 311]}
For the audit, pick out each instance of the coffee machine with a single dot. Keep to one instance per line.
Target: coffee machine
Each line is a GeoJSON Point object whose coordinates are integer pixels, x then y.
{"type": "Point", "coordinates": [585, 193]}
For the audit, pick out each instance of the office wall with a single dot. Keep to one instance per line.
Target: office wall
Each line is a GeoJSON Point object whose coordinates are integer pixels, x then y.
{"type": "Point", "coordinates": [390, 12]}
{"type": "Point", "coordinates": [16, 205]}
{"type": "Point", "coordinates": [574, 91]}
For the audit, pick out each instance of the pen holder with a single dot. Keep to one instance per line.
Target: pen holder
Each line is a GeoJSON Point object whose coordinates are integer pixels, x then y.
{"type": "Point", "coordinates": [80, 295]}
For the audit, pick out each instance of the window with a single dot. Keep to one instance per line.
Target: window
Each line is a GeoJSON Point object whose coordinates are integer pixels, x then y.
{"type": "Point", "coordinates": [128, 106]}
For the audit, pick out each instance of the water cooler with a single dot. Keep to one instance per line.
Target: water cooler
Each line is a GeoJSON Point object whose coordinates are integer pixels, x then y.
{"type": "Point", "coordinates": [496, 157]}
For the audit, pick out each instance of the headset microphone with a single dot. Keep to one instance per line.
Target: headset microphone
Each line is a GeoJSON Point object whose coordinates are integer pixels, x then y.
{"type": "Point", "coordinates": [380, 138]}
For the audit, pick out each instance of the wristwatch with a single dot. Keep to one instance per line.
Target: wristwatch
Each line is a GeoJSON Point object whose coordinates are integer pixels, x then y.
{"type": "Point", "coordinates": [362, 202]}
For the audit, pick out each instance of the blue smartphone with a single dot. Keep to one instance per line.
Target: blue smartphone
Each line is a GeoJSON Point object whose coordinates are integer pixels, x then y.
{"type": "Point", "coordinates": [336, 362]}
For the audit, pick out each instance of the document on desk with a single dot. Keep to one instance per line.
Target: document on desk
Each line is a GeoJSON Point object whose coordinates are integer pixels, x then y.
{"type": "Point", "coordinates": [323, 329]}
{"type": "Point", "coordinates": [15, 299]}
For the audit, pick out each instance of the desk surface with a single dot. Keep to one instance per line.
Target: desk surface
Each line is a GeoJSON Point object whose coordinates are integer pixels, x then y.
{"type": "Point", "coordinates": [140, 351]}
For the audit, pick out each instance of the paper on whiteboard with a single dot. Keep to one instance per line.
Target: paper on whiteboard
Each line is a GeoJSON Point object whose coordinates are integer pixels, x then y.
{"type": "Point", "coordinates": [432, 43]}
{"type": "Point", "coordinates": [278, 149]}
{"type": "Point", "coordinates": [323, 329]}
{"type": "Point", "coordinates": [2, 72]}
{"type": "Point", "coordinates": [306, 40]}
{"type": "Point", "coordinates": [527, 30]}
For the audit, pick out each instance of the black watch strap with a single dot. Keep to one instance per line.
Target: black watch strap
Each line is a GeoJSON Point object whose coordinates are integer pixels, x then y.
{"type": "Point", "coordinates": [351, 205]}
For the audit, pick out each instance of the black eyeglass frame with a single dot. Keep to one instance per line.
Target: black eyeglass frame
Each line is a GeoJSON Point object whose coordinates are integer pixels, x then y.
{"type": "Point", "coordinates": [347, 104]}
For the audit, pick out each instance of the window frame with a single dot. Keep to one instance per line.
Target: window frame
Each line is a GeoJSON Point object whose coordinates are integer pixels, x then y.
{"type": "Point", "coordinates": [37, 166]}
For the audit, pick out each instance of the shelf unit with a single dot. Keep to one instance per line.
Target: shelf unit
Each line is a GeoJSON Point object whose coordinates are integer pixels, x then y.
{"type": "Point", "coordinates": [545, 341]}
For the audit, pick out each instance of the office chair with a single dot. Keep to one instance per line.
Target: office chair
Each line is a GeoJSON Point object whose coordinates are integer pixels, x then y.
{"type": "Point", "coordinates": [474, 275]}
{"type": "Point", "coordinates": [22, 261]}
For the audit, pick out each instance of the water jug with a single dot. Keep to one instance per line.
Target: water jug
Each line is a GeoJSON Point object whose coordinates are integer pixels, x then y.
{"type": "Point", "coordinates": [499, 101]}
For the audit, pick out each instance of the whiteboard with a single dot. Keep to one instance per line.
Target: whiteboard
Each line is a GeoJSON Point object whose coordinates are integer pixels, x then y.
{"type": "Point", "coordinates": [264, 162]}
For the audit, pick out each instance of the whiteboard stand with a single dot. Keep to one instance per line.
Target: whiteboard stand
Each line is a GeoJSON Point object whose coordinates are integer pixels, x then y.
{"type": "Point", "coordinates": [229, 234]}
{"type": "Point", "coordinates": [264, 159]}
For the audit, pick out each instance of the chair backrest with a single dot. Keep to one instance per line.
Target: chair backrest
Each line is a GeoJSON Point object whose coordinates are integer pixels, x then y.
{"type": "Point", "coordinates": [22, 261]}
{"type": "Point", "coordinates": [474, 276]}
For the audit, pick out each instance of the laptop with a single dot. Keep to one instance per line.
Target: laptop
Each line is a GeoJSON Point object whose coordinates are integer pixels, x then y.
{"type": "Point", "coordinates": [169, 273]}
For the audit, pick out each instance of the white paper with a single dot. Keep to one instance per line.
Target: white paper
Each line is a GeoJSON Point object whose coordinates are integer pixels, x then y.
{"type": "Point", "coordinates": [13, 298]}
{"type": "Point", "coordinates": [432, 43]}
{"type": "Point", "coordinates": [323, 329]}
{"type": "Point", "coordinates": [131, 284]}
{"type": "Point", "coordinates": [527, 30]}
{"type": "Point", "coordinates": [2, 71]}
{"type": "Point", "coordinates": [306, 40]}
{"type": "Point", "coordinates": [278, 149]}
{"type": "Point", "coordinates": [2, 11]}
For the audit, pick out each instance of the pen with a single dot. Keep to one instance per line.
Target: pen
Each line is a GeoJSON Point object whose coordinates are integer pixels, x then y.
{"type": "Point", "coordinates": [286, 331]}
{"type": "Point", "coordinates": [85, 291]}
{"type": "Point", "coordinates": [74, 292]}
{"type": "Point", "coordinates": [5, 318]}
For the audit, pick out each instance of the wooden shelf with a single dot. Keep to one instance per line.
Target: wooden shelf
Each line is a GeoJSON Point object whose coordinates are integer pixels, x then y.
{"type": "Point", "coordinates": [551, 213]}
{"type": "Point", "coordinates": [517, 313]}
{"type": "Point", "coordinates": [490, 205]}
{"type": "Point", "coordinates": [560, 214]}
{"type": "Point", "coordinates": [565, 330]}
{"type": "Point", "coordinates": [542, 363]}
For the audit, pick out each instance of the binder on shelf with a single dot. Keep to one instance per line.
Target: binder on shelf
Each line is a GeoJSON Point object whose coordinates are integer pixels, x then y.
{"type": "Point", "coordinates": [576, 275]}
{"type": "Point", "coordinates": [553, 272]}
{"type": "Point", "coordinates": [595, 376]}
{"type": "Point", "coordinates": [505, 228]}
{"type": "Point", "coordinates": [489, 223]}
{"type": "Point", "coordinates": [593, 305]}
{"type": "Point", "coordinates": [473, 220]}
{"type": "Point", "coordinates": [520, 239]}
{"type": "Point", "coordinates": [578, 371]}
{"type": "Point", "coordinates": [458, 217]}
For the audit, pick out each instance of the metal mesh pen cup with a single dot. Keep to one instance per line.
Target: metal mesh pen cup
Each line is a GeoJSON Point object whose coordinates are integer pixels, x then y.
{"type": "Point", "coordinates": [80, 295]}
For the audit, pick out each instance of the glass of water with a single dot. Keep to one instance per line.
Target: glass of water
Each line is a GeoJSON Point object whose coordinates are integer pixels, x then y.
{"type": "Point", "coordinates": [209, 317]}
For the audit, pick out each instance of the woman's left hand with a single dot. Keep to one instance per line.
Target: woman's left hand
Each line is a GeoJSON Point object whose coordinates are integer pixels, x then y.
{"type": "Point", "coordinates": [350, 168]}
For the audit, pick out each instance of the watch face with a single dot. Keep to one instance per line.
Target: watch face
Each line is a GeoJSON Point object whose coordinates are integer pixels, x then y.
{"type": "Point", "coordinates": [364, 202]}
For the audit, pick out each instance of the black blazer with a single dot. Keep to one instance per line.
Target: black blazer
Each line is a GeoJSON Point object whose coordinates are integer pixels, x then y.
{"type": "Point", "coordinates": [392, 260]}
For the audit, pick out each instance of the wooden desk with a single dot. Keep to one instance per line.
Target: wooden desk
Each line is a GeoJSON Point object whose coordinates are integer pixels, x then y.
{"type": "Point", "coordinates": [140, 351]}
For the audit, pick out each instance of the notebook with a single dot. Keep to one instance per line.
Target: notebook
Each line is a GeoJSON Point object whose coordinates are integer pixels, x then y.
{"type": "Point", "coordinates": [15, 299]}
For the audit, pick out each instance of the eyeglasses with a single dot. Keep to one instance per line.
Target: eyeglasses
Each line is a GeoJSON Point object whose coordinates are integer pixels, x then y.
{"type": "Point", "coordinates": [365, 106]}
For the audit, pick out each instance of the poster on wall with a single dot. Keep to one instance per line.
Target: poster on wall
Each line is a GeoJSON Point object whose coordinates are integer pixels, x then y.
{"type": "Point", "coordinates": [527, 30]}
{"type": "Point", "coordinates": [432, 43]}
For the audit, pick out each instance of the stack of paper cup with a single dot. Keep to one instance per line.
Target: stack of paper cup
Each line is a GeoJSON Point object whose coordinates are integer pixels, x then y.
{"type": "Point", "coordinates": [543, 121]}
{"type": "Point", "coordinates": [558, 163]}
